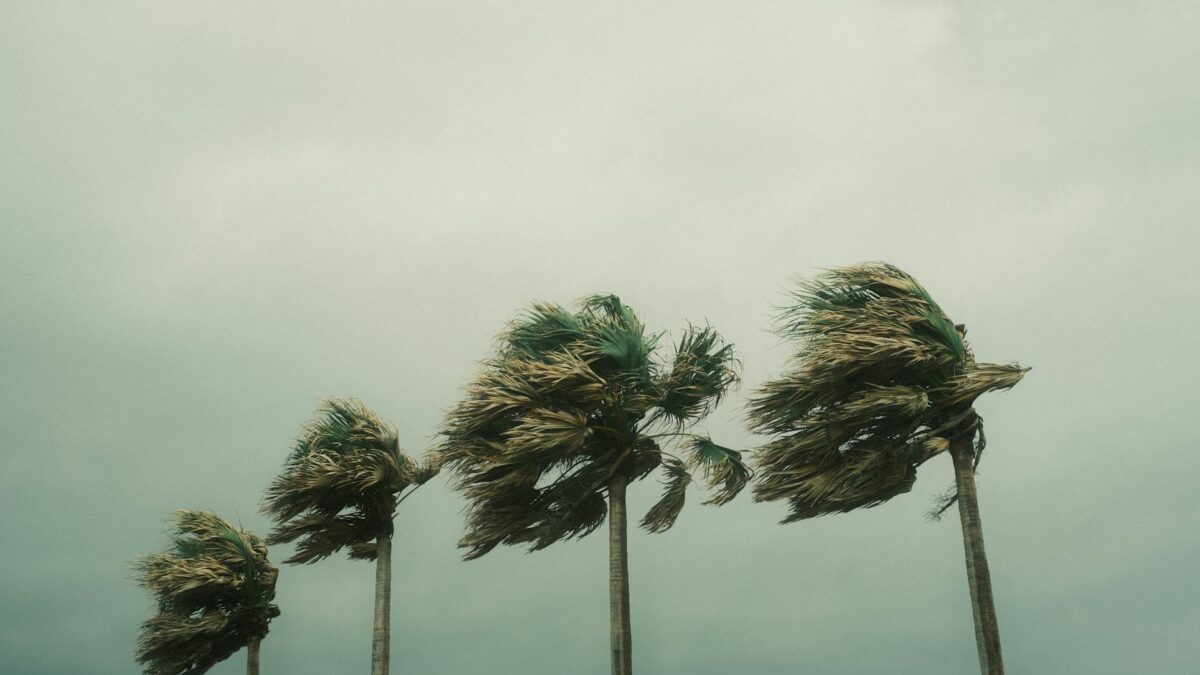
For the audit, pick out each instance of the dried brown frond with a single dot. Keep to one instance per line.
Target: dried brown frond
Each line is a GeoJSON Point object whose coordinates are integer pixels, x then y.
{"type": "Point", "coordinates": [963, 389]}
{"type": "Point", "coordinates": [547, 431]}
{"type": "Point", "coordinates": [662, 515]}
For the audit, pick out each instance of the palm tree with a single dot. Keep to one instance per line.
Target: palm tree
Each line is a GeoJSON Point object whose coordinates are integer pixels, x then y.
{"type": "Point", "coordinates": [339, 489]}
{"type": "Point", "coordinates": [564, 416]}
{"type": "Point", "coordinates": [214, 588]}
{"type": "Point", "coordinates": [883, 382]}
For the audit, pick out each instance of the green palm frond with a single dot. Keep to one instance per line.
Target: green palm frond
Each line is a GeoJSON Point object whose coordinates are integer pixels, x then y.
{"type": "Point", "coordinates": [721, 467]}
{"type": "Point", "coordinates": [542, 330]}
{"type": "Point", "coordinates": [213, 588]}
{"type": "Point", "coordinates": [616, 339]}
{"type": "Point", "coordinates": [340, 485]}
{"type": "Point", "coordinates": [880, 377]}
{"type": "Point", "coordinates": [344, 426]}
{"type": "Point", "coordinates": [565, 403]}
{"type": "Point", "coordinates": [705, 368]}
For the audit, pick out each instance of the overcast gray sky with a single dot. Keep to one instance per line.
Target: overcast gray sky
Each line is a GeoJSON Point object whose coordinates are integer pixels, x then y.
{"type": "Point", "coordinates": [212, 216]}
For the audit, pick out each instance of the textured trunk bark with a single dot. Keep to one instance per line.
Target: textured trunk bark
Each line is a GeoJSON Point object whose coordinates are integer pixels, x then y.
{"type": "Point", "coordinates": [618, 579]}
{"type": "Point", "coordinates": [381, 636]}
{"type": "Point", "coordinates": [987, 629]}
{"type": "Point", "coordinates": [252, 655]}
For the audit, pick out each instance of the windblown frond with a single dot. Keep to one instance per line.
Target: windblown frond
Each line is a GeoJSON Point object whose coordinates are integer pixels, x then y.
{"type": "Point", "coordinates": [720, 466]}
{"type": "Point", "coordinates": [319, 536]}
{"type": "Point", "coordinates": [213, 588]}
{"type": "Point", "coordinates": [662, 515]}
{"type": "Point", "coordinates": [965, 388]}
{"type": "Point", "coordinates": [881, 378]}
{"type": "Point", "coordinates": [175, 644]}
{"type": "Point", "coordinates": [704, 369]}
{"type": "Point", "coordinates": [566, 402]}
{"type": "Point", "coordinates": [338, 489]}
{"type": "Point", "coordinates": [344, 426]}
{"type": "Point", "coordinates": [542, 431]}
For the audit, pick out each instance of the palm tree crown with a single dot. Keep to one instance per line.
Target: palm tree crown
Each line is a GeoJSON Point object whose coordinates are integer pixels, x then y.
{"type": "Point", "coordinates": [883, 382]}
{"type": "Point", "coordinates": [339, 487]}
{"type": "Point", "coordinates": [214, 588]}
{"type": "Point", "coordinates": [569, 400]}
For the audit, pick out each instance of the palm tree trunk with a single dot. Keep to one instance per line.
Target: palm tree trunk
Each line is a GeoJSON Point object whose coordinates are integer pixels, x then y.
{"type": "Point", "coordinates": [618, 578]}
{"type": "Point", "coordinates": [381, 636]}
{"type": "Point", "coordinates": [252, 655]}
{"type": "Point", "coordinates": [987, 629]}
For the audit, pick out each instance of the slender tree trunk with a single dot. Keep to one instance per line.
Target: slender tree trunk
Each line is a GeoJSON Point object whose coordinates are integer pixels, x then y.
{"type": "Point", "coordinates": [987, 629]}
{"type": "Point", "coordinates": [618, 578]}
{"type": "Point", "coordinates": [381, 636]}
{"type": "Point", "coordinates": [252, 655]}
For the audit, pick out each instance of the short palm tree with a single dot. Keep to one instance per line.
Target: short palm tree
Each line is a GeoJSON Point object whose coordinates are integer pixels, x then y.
{"type": "Point", "coordinates": [339, 489]}
{"type": "Point", "coordinates": [565, 414]}
{"type": "Point", "coordinates": [883, 382]}
{"type": "Point", "coordinates": [214, 588]}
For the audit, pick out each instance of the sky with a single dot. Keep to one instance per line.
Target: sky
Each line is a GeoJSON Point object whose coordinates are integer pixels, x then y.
{"type": "Point", "coordinates": [212, 216]}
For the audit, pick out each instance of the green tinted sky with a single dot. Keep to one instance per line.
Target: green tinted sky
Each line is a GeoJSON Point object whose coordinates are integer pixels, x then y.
{"type": "Point", "coordinates": [213, 216]}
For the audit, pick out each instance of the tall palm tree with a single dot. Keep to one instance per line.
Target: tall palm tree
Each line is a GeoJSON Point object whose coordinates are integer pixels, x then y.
{"type": "Point", "coordinates": [339, 489]}
{"type": "Point", "coordinates": [566, 413]}
{"type": "Point", "coordinates": [214, 588]}
{"type": "Point", "coordinates": [883, 382]}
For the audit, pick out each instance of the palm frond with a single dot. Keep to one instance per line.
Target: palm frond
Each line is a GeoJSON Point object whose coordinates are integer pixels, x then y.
{"type": "Point", "coordinates": [666, 510]}
{"type": "Point", "coordinates": [344, 426]}
{"type": "Point", "coordinates": [615, 337]}
{"type": "Point", "coordinates": [174, 644]}
{"type": "Point", "coordinates": [190, 583]}
{"type": "Point", "coordinates": [863, 477]}
{"type": "Point", "coordinates": [319, 536]}
{"type": "Point", "coordinates": [328, 483]}
{"type": "Point", "coordinates": [963, 389]}
{"type": "Point", "coordinates": [548, 432]}
{"type": "Point", "coordinates": [704, 370]}
{"type": "Point", "coordinates": [721, 467]}
{"type": "Point", "coordinates": [543, 329]}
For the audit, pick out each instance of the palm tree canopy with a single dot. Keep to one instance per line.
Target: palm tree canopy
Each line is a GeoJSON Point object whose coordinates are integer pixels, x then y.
{"type": "Point", "coordinates": [339, 486]}
{"type": "Point", "coordinates": [881, 380]}
{"type": "Point", "coordinates": [568, 400]}
{"type": "Point", "coordinates": [214, 588]}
